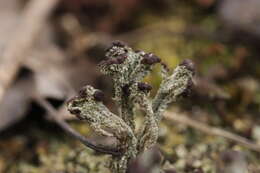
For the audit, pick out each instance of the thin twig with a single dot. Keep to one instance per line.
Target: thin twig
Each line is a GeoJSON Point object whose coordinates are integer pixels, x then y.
{"type": "Point", "coordinates": [31, 22]}
{"type": "Point", "coordinates": [184, 119]}
{"type": "Point", "coordinates": [72, 132]}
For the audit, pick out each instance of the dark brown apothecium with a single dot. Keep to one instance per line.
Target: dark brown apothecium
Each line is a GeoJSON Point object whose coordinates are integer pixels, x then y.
{"type": "Point", "coordinates": [99, 96]}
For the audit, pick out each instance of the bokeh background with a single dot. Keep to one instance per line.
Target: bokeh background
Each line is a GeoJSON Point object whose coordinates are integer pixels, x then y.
{"type": "Point", "coordinates": [50, 49]}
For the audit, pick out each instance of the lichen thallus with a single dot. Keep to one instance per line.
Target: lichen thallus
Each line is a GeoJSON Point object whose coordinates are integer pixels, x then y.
{"type": "Point", "coordinates": [127, 68]}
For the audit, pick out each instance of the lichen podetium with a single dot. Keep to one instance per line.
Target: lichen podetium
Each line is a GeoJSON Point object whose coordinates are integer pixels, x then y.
{"type": "Point", "coordinates": [127, 68]}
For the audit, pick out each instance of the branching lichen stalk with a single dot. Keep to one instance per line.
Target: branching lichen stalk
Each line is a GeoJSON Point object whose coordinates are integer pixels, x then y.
{"type": "Point", "coordinates": [128, 68]}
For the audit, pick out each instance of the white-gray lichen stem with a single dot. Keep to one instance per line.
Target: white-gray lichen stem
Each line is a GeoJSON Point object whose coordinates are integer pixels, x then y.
{"type": "Point", "coordinates": [127, 112]}
{"type": "Point", "coordinates": [172, 87]}
{"type": "Point", "coordinates": [139, 96]}
{"type": "Point", "coordinates": [151, 131]}
{"type": "Point", "coordinates": [54, 114]}
{"type": "Point", "coordinates": [128, 68]}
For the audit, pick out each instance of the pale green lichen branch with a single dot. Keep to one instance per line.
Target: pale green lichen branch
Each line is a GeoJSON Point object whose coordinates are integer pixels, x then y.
{"type": "Point", "coordinates": [127, 68]}
{"type": "Point", "coordinates": [88, 106]}
{"type": "Point", "coordinates": [172, 87]}
{"type": "Point", "coordinates": [140, 96]}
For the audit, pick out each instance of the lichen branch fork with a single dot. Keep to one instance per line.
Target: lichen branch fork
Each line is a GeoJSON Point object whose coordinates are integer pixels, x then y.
{"type": "Point", "coordinates": [128, 68]}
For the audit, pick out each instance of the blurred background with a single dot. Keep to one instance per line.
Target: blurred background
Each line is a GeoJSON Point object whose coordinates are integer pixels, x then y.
{"type": "Point", "coordinates": [51, 48]}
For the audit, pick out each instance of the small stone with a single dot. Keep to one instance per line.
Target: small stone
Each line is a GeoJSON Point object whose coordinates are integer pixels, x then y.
{"type": "Point", "coordinates": [99, 96]}
{"type": "Point", "coordinates": [144, 87]}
